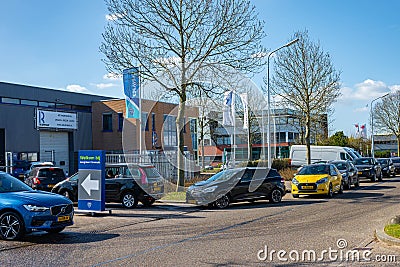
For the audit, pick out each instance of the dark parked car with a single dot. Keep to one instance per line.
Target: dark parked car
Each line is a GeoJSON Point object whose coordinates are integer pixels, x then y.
{"type": "Point", "coordinates": [349, 173]}
{"type": "Point", "coordinates": [127, 184]}
{"type": "Point", "coordinates": [24, 210]}
{"type": "Point", "coordinates": [19, 168]}
{"type": "Point", "coordinates": [387, 166]}
{"type": "Point", "coordinates": [44, 178]}
{"type": "Point", "coordinates": [369, 168]}
{"type": "Point", "coordinates": [239, 184]}
{"type": "Point", "coordinates": [35, 164]}
{"type": "Point", "coordinates": [396, 163]}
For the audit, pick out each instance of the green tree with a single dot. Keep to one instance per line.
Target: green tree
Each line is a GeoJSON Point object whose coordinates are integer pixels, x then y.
{"type": "Point", "coordinates": [338, 139]}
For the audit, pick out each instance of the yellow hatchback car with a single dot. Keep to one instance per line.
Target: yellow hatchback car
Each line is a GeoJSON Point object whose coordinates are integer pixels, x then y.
{"type": "Point", "coordinates": [317, 179]}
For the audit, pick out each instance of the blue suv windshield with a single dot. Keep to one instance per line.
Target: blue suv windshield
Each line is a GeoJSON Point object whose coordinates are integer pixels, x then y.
{"type": "Point", "coordinates": [11, 184]}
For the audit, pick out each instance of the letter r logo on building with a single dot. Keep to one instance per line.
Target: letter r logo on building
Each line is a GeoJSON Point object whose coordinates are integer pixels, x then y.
{"type": "Point", "coordinates": [41, 117]}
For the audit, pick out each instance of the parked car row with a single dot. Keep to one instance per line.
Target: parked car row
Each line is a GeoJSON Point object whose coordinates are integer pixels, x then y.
{"type": "Point", "coordinates": [127, 184]}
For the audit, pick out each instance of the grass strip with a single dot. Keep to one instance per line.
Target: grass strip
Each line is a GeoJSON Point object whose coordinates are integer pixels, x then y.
{"type": "Point", "coordinates": [393, 230]}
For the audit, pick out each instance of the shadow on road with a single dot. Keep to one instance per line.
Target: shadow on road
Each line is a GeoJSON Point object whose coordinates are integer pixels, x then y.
{"type": "Point", "coordinates": [66, 238]}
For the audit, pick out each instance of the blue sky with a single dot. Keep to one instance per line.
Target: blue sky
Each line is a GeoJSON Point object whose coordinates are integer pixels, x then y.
{"type": "Point", "coordinates": [55, 44]}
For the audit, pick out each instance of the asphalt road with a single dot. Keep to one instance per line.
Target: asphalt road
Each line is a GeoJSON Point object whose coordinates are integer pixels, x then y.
{"type": "Point", "coordinates": [258, 234]}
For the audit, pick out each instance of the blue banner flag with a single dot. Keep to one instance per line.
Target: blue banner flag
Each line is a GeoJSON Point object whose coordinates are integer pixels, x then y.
{"type": "Point", "coordinates": [131, 90]}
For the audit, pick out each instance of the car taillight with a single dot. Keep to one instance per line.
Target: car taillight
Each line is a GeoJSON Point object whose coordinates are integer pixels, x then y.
{"type": "Point", "coordinates": [143, 177]}
{"type": "Point", "coordinates": [36, 181]}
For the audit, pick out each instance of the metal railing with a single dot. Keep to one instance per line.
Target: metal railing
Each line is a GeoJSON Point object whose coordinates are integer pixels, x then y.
{"type": "Point", "coordinates": [166, 164]}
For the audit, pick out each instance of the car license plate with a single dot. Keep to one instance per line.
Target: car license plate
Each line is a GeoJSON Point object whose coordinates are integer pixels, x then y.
{"type": "Point", "coordinates": [192, 201]}
{"type": "Point", "coordinates": [157, 188]}
{"type": "Point", "coordinates": [63, 218]}
{"type": "Point", "coordinates": [359, 172]}
{"type": "Point", "coordinates": [21, 176]}
{"type": "Point", "coordinates": [50, 185]}
{"type": "Point", "coordinates": [307, 187]}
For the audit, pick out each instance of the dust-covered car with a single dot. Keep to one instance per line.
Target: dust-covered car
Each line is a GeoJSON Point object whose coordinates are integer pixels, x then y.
{"type": "Point", "coordinates": [238, 184]}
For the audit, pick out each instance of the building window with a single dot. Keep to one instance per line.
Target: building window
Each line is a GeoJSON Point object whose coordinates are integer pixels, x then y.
{"type": "Point", "coordinates": [153, 119]}
{"type": "Point", "coordinates": [10, 100]}
{"type": "Point", "coordinates": [169, 130]}
{"type": "Point", "coordinates": [63, 106]}
{"type": "Point", "coordinates": [107, 122]}
{"type": "Point", "coordinates": [47, 104]}
{"type": "Point", "coordinates": [145, 125]}
{"type": "Point", "coordinates": [29, 102]}
{"type": "Point", "coordinates": [120, 121]}
{"type": "Point", "coordinates": [193, 132]}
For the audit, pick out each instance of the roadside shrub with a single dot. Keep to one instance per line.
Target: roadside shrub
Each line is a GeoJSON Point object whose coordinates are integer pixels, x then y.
{"type": "Point", "coordinates": [382, 154]}
{"type": "Point", "coordinates": [281, 164]}
{"type": "Point", "coordinates": [287, 173]}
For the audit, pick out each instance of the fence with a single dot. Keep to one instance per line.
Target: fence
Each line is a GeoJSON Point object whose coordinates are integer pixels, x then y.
{"type": "Point", "coordinates": [166, 164]}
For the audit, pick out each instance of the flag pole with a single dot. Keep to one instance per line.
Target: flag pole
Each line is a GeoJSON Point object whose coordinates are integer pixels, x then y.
{"type": "Point", "coordinates": [234, 128]}
{"type": "Point", "coordinates": [140, 113]}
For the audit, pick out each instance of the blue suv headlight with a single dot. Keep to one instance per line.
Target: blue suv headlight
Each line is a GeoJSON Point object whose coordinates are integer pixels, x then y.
{"type": "Point", "coordinates": [35, 208]}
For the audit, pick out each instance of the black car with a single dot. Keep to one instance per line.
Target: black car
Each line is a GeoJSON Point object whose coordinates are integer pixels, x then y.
{"type": "Point", "coordinates": [124, 183]}
{"type": "Point", "coordinates": [387, 166]}
{"type": "Point", "coordinates": [396, 163]}
{"type": "Point", "coordinates": [369, 168]}
{"type": "Point", "coordinates": [19, 168]}
{"type": "Point", "coordinates": [44, 178]}
{"type": "Point", "coordinates": [349, 173]}
{"type": "Point", "coordinates": [239, 184]}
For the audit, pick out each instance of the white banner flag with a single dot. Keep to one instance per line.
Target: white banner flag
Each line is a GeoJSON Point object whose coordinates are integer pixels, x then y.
{"type": "Point", "coordinates": [243, 97]}
{"type": "Point", "coordinates": [227, 118]}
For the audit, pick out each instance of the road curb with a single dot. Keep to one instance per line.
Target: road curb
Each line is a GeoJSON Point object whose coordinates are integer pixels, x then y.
{"type": "Point", "coordinates": [382, 236]}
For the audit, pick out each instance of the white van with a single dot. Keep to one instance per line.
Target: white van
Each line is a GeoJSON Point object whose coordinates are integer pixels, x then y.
{"type": "Point", "coordinates": [320, 153]}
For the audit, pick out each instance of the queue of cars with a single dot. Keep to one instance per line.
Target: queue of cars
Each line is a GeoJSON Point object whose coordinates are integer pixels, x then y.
{"type": "Point", "coordinates": [27, 207]}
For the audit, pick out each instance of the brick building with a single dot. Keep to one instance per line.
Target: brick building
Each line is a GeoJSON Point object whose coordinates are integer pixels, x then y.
{"type": "Point", "coordinates": [115, 133]}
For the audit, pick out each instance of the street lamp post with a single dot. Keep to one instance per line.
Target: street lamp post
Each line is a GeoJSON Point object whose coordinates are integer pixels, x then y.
{"type": "Point", "coordinates": [372, 125]}
{"type": "Point", "coordinates": [269, 104]}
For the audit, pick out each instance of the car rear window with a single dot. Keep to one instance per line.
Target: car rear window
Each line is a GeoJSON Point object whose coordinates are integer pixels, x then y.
{"type": "Point", "coordinates": [340, 165]}
{"type": "Point", "coordinates": [363, 162]}
{"type": "Point", "coordinates": [397, 160]}
{"type": "Point", "coordinates": [51, 172]}
{"type": "Point", "coordinates": [151, 172]}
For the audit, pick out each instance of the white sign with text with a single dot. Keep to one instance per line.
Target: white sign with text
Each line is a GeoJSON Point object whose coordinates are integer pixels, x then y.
{"type": "Point", "coordinates": [55, 119]}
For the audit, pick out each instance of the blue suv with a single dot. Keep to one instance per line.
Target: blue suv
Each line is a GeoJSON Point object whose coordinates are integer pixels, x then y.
{"type": "Point", "coordinates": [24, 210]}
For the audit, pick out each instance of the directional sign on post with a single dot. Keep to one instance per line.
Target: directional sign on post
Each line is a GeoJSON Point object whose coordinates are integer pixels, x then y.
{"type": "Point", "coordinates": [91, 186]}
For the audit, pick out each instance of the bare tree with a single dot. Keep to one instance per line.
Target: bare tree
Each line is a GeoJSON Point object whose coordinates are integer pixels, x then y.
{"type": "Point", "coordinates": [306, 81]}
{"type": "Point", "coordinates": [178, 39]}
{"type": "Point", "coordinates": [387, 116]}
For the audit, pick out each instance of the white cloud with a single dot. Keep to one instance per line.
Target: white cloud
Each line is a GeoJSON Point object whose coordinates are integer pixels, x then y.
{"type": "Point", "coordinates": [104, 85]}
{"type": "Point", "coordinates": [77, 88]}
{"type": "Point", "coordinates": [394, 88]}
{"type": "Point", "coordinates": [115, 16]}
{"type": "Point", "coordinates": [367, 90]}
